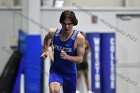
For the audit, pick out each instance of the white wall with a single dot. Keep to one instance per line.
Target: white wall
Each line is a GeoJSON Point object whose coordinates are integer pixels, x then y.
{"type": "Point", "coordinates": [94, 3]}
{"type": "Point", "coordinates": [5, 3]}
{"type": "Point", "coordinates": [134, 3]}
{"type": "Point", "coordinates": [6, 30]}
{"type": "Point", "coordinates": [102, 3]}
{"type": "Point", "coordinates": [85, 3]}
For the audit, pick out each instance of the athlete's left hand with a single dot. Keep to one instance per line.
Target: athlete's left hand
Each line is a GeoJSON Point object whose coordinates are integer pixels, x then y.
{"type": "Point", "coordinates": [63, 54]}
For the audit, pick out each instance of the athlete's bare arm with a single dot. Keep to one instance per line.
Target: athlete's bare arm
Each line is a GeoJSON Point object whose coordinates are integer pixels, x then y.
{"type": "Point", "coordinates": [47, 41]}
{"type": "Point", "coordinates": [80, 48]}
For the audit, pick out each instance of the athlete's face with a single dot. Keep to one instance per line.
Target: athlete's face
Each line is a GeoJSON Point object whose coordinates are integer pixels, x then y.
{"type": "Point", "coordinates": [67, 25]}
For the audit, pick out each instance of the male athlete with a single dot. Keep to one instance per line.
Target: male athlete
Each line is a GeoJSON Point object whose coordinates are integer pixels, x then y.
{"type": "Point", "coordinates": [68, 50]}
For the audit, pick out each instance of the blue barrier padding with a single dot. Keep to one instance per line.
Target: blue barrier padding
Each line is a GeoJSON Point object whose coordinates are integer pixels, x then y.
{"type": "Point", "coordinates": [94, 42]}
{"type": "Point", "coordinates": [108, 65]}
{"type": "Point", "coordinates": [33, 64]}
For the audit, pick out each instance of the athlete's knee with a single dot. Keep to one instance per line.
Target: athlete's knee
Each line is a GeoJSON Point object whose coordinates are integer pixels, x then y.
{"type": "Point", "coordinates": [54, 90]}
{"type": "Point", "coordinates": [54, 87]}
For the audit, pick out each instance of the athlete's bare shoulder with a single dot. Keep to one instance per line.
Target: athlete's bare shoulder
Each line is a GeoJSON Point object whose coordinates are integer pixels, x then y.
{"type": "Point", "coordinates": [51, 33]}
{"type": "Point", "coordinates": [80, 38]}
{"type": "Point", "coordinates": [52, 30]}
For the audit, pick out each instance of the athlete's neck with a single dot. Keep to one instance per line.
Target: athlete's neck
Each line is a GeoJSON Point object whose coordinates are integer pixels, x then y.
{"type": "Point", "coordinates": [65, 34]}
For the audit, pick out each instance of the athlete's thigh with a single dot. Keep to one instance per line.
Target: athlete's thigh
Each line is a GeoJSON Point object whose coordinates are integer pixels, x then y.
{"type": "Point", "coordinates": [55, 80]}
{"type": "Point", "coordinates": [55, 76]}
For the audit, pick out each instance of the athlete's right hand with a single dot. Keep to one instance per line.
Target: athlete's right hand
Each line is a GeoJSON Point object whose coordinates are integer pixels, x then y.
{"type": "Point", "coordinates": [44, 55]}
